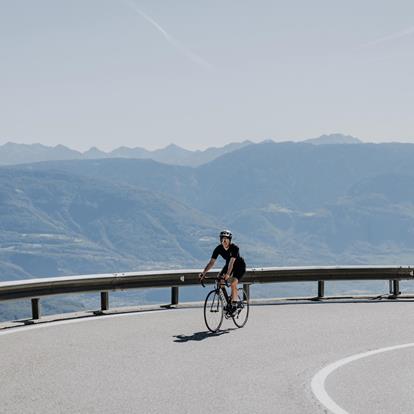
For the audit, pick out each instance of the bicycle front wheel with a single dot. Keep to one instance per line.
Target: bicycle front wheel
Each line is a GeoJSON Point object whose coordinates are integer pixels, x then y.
{"type": "Point", "coordinates": [242, 312]}
{"type": "Point", "coordinates": [213, 311]}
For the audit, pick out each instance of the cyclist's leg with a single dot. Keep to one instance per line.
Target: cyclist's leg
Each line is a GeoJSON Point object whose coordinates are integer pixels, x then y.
{"type": "Point", "coordinates": [238, 273]}
{"type": "Point", "coordinates": [234, 284]}
{"type": "Point", "coordinates": [223, 288]}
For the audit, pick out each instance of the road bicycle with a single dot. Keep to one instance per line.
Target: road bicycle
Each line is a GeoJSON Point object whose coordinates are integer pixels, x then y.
{"type": "Point", "coordinates": [218, 305]}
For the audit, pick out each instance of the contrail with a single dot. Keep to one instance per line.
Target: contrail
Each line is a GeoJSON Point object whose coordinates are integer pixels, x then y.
{"type": "Point", "coordinates": [398, 35]}
{"type": "Point", "coordinates": [173, 42]}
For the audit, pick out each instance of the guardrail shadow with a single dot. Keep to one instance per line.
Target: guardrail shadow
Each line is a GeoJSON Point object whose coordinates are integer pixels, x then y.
{"type": "Point", "coordinates": [200, 336]}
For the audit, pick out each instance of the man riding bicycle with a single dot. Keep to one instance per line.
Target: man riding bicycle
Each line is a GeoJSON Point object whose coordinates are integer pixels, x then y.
{"type": "Point", "coordinates": [234, 268]}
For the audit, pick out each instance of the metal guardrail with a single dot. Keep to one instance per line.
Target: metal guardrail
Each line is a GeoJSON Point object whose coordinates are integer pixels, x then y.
{"type": "Point", "coordinates": [36, 288]}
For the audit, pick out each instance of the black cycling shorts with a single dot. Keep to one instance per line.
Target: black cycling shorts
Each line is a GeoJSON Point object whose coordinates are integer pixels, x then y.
{"type": "Point", "coordinates": [239, 269]}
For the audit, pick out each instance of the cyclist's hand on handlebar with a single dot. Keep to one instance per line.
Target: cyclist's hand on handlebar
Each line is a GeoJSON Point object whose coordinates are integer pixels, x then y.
{"type": "Point", "coordinates": [201, 276]}
{"type": "Point", "coordinates": [223, 279]}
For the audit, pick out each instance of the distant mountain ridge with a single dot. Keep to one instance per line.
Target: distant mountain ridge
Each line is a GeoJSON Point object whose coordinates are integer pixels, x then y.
{"type": "Point", "coordinates": [334, 139]}
{"type": "Point", "coordinates": [13, 154]}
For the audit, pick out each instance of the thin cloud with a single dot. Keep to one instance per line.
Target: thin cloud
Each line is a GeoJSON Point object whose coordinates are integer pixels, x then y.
{"type": "Point", "coordinates": [389, 38]}
{"type": "Point", "coordinates": [170, 39]}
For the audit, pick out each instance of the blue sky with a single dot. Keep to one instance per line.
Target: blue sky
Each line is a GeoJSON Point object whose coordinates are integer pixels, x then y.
{"type": "Point", "coordinates": [107, 73]}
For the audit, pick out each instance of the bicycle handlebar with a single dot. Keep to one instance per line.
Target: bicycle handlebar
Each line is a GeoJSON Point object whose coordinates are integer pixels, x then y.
{"type": "Point", "coordinates": [215, 278]}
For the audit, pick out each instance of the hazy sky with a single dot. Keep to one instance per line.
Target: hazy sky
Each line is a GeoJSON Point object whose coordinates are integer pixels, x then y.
{"type": "Point", "coordinates": [146, 73]}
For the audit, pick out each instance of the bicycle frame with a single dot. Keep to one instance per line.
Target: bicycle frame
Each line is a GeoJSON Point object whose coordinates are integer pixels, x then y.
{"type": "Point", "coordinates": [220, 288]}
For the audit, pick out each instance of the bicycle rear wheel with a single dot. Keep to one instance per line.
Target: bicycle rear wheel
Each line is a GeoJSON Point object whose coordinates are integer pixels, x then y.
{"type": "Point", "coordinates": [213, 311]}
{"type": "Point", "coordinates": [242, 312]}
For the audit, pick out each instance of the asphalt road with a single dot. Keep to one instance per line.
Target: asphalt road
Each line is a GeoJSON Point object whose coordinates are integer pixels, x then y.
{"type": "Point", "coordinates": [166, 362]}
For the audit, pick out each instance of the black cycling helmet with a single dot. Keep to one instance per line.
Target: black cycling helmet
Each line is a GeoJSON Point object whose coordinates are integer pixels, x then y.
{"type": "Point", "coordinates": [226, 233]}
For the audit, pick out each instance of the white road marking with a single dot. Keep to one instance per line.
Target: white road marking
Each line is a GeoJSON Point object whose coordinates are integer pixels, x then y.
{"type": "Point", "coordinates": [318, 381]}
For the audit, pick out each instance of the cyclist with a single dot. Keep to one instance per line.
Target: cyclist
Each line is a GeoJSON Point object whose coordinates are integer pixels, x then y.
{"type": "Point", "coordinates": [234, 268]}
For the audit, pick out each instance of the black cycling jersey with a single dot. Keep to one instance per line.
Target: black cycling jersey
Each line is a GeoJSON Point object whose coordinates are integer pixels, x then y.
{"type": "Point", "coordinates": [232, 251]}
{"type": "Point", "coordinates": [239, 266]}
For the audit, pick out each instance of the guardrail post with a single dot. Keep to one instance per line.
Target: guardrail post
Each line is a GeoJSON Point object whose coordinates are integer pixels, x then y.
{"type": "Point", "coordinates": [321, 288]}
{"type": "Point", "coordinates": [396, 288]}
{"type": "Point", "coordinates": [246, 289]}
{"type": "Point", "coordinates": [174, 295]}
{"type": "Point", "coordinates": [104, 301]}
{"type": "Point", "coordinates": [35, 308]}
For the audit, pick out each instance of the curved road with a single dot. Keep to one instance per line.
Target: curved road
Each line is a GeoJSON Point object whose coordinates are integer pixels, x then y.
{"type": "Point", "coordinates": [165, 362]}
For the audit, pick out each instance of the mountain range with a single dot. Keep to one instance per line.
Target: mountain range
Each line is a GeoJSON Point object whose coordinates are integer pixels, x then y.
{"type": "Point", "coordinates": [11, 153]}
{"type": "Point", "coordinates": [287, 204]}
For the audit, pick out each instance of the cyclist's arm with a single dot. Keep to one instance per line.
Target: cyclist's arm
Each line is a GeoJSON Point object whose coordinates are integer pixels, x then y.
{"type": "Point", "coordinates": [210, 264]}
